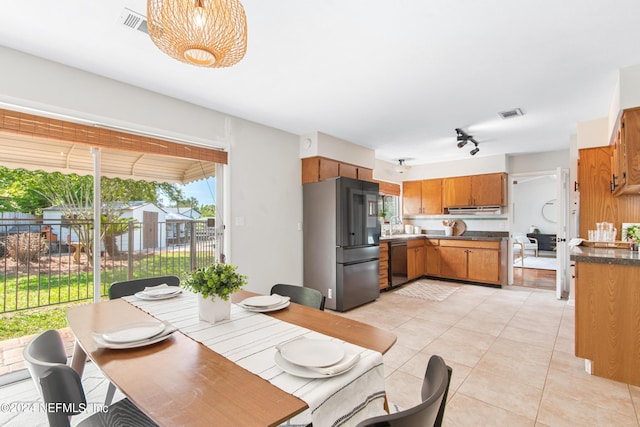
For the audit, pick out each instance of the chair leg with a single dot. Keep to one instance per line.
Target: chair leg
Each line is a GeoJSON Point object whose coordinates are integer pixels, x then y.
{"type": "Point", "coordinates": [110, 392]}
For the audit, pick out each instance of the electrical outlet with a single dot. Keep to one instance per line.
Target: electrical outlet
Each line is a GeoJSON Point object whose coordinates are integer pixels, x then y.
{"type": "Point", "coordinates": [330, 293]}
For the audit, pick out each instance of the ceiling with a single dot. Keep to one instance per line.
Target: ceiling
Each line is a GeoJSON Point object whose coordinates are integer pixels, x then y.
{"type": "Point", "coordinates": [397, 77]}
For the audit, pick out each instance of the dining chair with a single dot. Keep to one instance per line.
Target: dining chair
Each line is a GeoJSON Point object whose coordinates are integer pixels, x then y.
{"type": "Point", "coordinates": [57, 383]}
{"type": "Point", "coordinates": [42, 352]}
{"type": "Point", "coordinates": [300, 295]}
{"type": "Point", "coordinates": [435, 388]}
{"type": "Point", "coordinates": [130, 287]}
{"type": "Point", "coordinates": [62, 390]}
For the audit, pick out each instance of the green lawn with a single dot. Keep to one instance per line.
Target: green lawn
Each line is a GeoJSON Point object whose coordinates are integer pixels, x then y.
{"type": "Point", "coordinates": [42, 300]}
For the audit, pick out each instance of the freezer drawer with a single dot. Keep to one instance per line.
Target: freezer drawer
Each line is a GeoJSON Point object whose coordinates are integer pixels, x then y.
{"type": "Point", "coordinates": [364, 253]}
{"type": "Point", "coordinates": [357, 284]}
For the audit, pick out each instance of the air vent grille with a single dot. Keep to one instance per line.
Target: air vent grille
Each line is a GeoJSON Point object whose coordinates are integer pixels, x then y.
{"type": "Point", "coordinates": [134, 20]}
{"type": "Point", "coordinates": [511, 113]}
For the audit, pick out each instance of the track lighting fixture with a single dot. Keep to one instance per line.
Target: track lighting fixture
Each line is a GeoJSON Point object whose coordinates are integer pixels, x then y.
{"type": "Point", "coordinates": [462, 137]}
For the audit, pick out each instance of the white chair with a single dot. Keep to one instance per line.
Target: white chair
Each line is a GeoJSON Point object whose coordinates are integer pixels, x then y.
{"type": "Point", "coordinates": [522, 243]}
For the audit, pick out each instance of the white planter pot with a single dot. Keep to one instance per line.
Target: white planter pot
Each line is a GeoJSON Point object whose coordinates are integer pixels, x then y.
{"type": "Point", "coordinates": [213, 310]}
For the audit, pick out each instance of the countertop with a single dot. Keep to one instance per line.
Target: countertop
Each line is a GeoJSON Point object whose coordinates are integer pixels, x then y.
{"type": "Point", "coordinates": [487, 237]}
{"type": "Point", "coordinates": [605, 255]}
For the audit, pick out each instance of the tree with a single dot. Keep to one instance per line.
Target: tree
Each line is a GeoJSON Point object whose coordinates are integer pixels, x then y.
{"type": "Point", "coordinates": [208, 211]}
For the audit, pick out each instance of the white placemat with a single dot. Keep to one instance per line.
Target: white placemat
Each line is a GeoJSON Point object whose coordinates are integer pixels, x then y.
{"type": "Point", "coordinates": [249, 339]}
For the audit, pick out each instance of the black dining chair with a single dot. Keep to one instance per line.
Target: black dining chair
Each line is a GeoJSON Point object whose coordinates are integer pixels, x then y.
{"type": "Point", "coordinates": [435, 388]}
{"type": "Point", "coordinates": [300, 295]}
{"type": "Point", "coordinates": [130, 287]}
{"type": "Point", "coordinates": [62, 391]}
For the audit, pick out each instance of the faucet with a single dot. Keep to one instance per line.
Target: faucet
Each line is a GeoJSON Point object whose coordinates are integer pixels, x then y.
{"type": "Point", "coordinates": [395, 220]}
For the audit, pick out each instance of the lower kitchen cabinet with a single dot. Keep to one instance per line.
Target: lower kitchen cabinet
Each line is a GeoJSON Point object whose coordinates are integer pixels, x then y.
{"type": "Point", "coordinates": [472, 260]}
{"type": "Point", "coordinates": [415, 258]}
{"type": "Point", "coordinates": [384, 265]}
{"type": "Point", "coordinates": [432, 257]}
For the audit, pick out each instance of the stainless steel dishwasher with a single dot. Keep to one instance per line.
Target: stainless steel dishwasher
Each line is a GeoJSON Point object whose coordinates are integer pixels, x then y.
{"type": "Point", "coordinates": [398, 262]}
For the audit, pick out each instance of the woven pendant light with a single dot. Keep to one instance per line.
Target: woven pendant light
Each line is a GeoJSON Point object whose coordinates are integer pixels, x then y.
{"type": "Point", "coordinates": [207, 33]}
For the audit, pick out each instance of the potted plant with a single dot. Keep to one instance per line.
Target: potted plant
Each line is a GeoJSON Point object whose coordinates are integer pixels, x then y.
{"type": "Point", "coordinates": [633, 235]}
{"type": "Point", "coordinates": [214, 285]}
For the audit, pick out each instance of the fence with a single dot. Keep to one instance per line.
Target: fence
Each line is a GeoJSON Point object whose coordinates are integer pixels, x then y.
{"type": "Point", "coordinates": [38, 269]}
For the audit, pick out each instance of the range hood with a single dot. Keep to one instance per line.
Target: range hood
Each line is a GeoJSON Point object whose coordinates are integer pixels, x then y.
{"type": "Point", "coordinates": [475, 210]}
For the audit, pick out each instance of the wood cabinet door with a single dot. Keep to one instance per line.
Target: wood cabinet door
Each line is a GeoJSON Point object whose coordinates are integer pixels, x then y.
{"type": "Point", "coordinates": [328, 169]}
{"type": "Point", "coordinates": [618, 168]}
{"type": "Point", "coordinates": [483, 265]}
{"type": "Point", "coordinates": [415, 259]}
{"type": "Point", "coordinates": [384, 265]}
{"type": "Point", "coordinates": [432, 260]}
{"type": "Point", "coordinates": [412, 198]}
{"type": "Point", "coordinates": [432, 196]}
{"type": "Point", "coordinates": [348, 171]}
{"type": "Point", "coordinates": [310, 169]}
{"type": "Point", "coordinates": [631, 146]}
{"type": "Point", "coordinates": [596, 201]}
{"type": "Point", "coordinates": [488, 190]}
{"type": "Point", "coordinates": [453, 262]}
{"type": "Point", "coordinates": [456, 191]}
{"type": "Point", "coordinates": [365, 174]}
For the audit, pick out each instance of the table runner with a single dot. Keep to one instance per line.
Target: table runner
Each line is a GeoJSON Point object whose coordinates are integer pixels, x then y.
{"type": "Point", "coordinates": [249, 340]}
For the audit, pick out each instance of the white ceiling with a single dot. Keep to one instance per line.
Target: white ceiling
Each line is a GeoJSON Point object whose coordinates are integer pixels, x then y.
{"type": "Point", "coordinates": [395, 76]}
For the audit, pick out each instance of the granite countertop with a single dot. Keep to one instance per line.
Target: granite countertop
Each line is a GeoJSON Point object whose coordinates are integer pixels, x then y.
{"type": "Point", "coordinates": [441, 236]}
{"type": "Point", "coordinates": [605, 255]}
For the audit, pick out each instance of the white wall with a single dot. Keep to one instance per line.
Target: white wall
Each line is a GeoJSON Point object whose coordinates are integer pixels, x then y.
{"type": "Point", "coordinates": [321, 144]}
{"type": "Point", "coordinates": [593, 133]}
{"type": "Point", "coordinates": [471, 166]}
{"type": "Point", "coordinates": [539, 162]}
{"type": "Point", "coordinates": [264, 165]}
{"type": "Point", "coordinates": [529, 196]}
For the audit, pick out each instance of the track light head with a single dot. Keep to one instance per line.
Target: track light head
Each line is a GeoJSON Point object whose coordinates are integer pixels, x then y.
{"type": "Point", "coordinates": [474, 151]}
{"type": "Point", "coordinates": [461, 142]}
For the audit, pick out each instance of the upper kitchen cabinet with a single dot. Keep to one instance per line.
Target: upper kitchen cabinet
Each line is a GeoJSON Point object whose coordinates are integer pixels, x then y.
{"type": "Point", "coordinates": [625, 154]}
{"type": "Point", "coordinates": [315, 169]}
{"type": "Point", "coordinates": [422, 197]}
{"type": "Point", "coordinates": [474, 190]}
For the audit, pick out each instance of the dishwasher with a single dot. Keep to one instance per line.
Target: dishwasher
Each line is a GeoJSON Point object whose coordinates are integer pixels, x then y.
{"type": "Point", "coordinates": [398, 263]}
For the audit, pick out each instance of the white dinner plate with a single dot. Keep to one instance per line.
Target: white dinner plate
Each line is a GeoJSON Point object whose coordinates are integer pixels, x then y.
{"type": "Point", "coordinates": [134, 332]}
{"type": "Point", "coordinates": [301, 371]}
{"type": "Point", "coordinates": [162, 291]}
{"type": "Point", "coordinates": [145, 296]}
{"type": "Point", "coordinates": [285, 304]}
{"type": "Point", "coordinates": [263, 301]}
{"type": "Point", "coordinates": [312, 352]}
{"type": "Point", "coordinates": [113, 346]}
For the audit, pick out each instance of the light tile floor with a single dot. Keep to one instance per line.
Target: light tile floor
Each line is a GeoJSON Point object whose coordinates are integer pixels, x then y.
{"type": "Point", "coordinates": [511, 351]}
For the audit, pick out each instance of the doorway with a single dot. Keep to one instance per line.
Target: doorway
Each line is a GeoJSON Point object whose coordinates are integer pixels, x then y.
{"type": "Point", "coordinates": [534, 224]}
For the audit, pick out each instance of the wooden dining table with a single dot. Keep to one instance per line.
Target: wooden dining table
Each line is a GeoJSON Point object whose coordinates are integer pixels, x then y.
{"type": "Point", "coordinates": [182, 382]}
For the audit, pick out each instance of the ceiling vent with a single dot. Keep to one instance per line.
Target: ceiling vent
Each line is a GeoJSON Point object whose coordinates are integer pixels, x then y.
{"type": "Point", "coordinates": [511, 113]}
{"type": "Point", "coordinates": [134, 20]}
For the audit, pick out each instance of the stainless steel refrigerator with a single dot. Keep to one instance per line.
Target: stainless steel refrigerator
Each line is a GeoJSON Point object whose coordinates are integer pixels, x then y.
{"type": "Point", "coordinates": [341, 241]}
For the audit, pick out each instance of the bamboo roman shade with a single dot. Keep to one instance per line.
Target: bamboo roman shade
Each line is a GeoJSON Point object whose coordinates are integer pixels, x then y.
{"type": "Point", "coordinates": [35, 142]}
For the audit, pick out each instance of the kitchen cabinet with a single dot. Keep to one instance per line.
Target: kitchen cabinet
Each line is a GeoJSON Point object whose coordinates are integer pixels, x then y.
{"type": "Point", "coordinates": [474, 190]}
{"type": "Point", "coordinates": [472, 260]}
{"type": "Point", "coordinates": [432, 257]}
{"type": "Point", "coordinates": [607, 331]}
{"type": "Point", "coordinates": [625, 154]}
{"type": "Point", "coordinates": [315, 169]}
{"type": "Point", "coordinates": [422, 197]}
{"type": "Point", "coordinates": [415, 258]}
{"type": "Point", "coordinates": [384, 265]}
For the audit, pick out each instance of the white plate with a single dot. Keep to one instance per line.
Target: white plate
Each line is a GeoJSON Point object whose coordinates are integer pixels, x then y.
{"type": "Point", "coordinates": [301, 371]}
{"type": "Point", "coordinates": [162, 291]}
{"type": "Point", "coordinates": [312, 352]}
{"type": "Point", "coordinates": [144, 296]}
{"type": "Point", "coordinates": [263, 301]}
{"type": "Point", "coordinates": [266, 309]}
{"type": "Point", "coordinates": [113, 346]}
{"type": "Point", "coordinates": [134, 332]}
